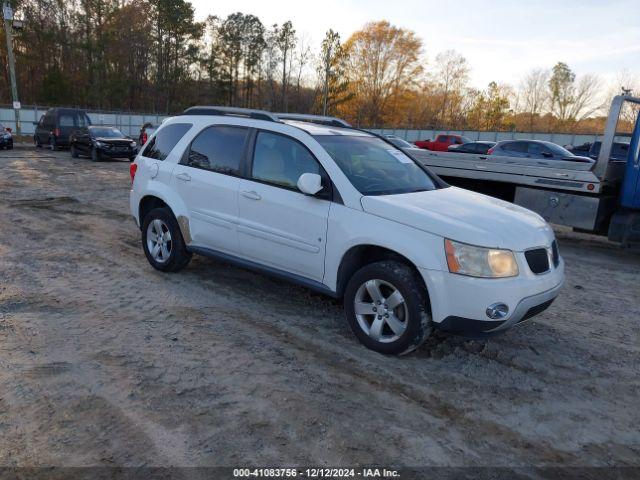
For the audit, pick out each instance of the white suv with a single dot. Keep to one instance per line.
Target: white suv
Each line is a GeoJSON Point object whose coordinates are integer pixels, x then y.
{"type": "Point", "coordinates": [346, 213]}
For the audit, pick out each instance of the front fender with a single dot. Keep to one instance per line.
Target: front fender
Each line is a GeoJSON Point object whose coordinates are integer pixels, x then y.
{"type": "Point", "coordinates": [350, 228]}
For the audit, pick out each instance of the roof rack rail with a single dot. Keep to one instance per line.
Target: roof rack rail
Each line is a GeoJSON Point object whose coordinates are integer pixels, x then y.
{"type": "Point", "coordinates": [233, 111]}
{"type": "Point", "coordinates": [320, 119]}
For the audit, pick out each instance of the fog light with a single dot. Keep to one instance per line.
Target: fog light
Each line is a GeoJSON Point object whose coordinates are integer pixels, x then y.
{"type": "Point", "coordinates": [497, 311]}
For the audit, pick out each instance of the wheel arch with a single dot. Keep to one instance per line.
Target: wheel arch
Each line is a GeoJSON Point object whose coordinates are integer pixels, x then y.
{"type": "Point", "coordinates": [153, 200]}
{"type": "Point", "coordinates": [148, 203]}
{"type": "Point", "coordinates": [358, 256]}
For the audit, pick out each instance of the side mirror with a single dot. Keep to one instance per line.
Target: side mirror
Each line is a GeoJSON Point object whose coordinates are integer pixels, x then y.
{"type": "Point", "coordinates": [310, 183]}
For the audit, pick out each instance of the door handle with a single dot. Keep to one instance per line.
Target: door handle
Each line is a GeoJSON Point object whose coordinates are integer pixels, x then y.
{"type": "Point", "coordinates": [185, 177]}
{"type": "Point", "coordinates": [251, 195]}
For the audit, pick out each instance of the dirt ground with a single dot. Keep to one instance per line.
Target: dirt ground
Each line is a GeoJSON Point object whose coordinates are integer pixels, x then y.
{"type": "Point", "coordinates": [104, 361]}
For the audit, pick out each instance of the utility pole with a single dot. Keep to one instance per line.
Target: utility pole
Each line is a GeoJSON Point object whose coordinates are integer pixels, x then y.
{"type": "Point", "coordinates": [8, 28]}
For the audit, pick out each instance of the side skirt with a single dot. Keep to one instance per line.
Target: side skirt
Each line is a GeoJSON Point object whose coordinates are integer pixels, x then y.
{"type": "Point", "coordinates": [270, 271]}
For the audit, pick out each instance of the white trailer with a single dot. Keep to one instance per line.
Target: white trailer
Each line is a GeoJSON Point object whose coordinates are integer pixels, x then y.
{"type": "Point", "coordinates": [580, 195]}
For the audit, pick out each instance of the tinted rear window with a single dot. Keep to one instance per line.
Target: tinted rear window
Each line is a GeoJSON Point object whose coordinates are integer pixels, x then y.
{"type": "Point", "coordinates": [218, 149]}
{"type": "Point", "coordinates": [73, 120]}
{"type": "Point", "coordinates": [164, 141]}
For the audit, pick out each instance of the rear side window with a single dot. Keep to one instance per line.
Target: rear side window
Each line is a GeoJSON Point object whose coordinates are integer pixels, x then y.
{"type": "Point", "coordinates": [74, 120]}
{"type": "Point", "coordinates": [164, 141]}
{"type": "Point", "coordinates": [218, 149]}
{"type": "Point", "coordinates": [537, 149]}
{"type": "Point", "coordinates": [515, 147]}
{"type": "Point", "coordinates": [280, 160]}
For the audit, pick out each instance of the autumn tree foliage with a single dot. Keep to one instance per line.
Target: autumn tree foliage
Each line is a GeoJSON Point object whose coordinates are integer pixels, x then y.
{"type": "Point", "coordinates": [152, 55]}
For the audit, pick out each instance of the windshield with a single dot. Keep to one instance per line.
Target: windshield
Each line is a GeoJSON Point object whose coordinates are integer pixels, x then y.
{"type": "Point", "coordinates": [107, 132]}
{"type": "Point", "coordinates": [374, 167]}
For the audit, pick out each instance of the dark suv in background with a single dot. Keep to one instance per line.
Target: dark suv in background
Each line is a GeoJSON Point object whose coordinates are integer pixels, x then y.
{"type": "Point", "coordinates": [98, 142]}
{"type": "Point", "coordinates": [56, 126]}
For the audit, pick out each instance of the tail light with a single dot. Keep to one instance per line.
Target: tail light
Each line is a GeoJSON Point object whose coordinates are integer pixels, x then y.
{"type": "Point", "coordinates": [56, 132]}
{"type": "Point", "coordinates": [133, 168]}
{"type": "Point", "coordinates": [490, 151]}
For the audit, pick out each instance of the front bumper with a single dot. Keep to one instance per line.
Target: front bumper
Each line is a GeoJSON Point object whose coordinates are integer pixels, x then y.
{"type": "Point", "coordinates": [459, 304]}
{"type": "Point", "coordinates": [111, 153]}
{"type": "Point", "coordinates": [527, 308]}
{"type": "Point", "coordinates": [4, 142]}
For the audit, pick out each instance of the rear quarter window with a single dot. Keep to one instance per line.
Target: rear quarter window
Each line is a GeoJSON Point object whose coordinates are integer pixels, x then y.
{"type": "Point", "coordinates": [165, 140]}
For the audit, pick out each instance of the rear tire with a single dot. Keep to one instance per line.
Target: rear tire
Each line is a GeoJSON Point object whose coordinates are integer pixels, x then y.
{"type": "Point", "coordinates": [36, 140]}
{"type": "Point", "coordinates": [162, 241]}
{"type": "Point", "coordinates": [392, 314]}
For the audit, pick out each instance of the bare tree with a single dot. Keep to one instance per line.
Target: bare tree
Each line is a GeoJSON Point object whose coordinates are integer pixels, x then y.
{"type": "Point", "coordinates": [533, 94]}
{"type": "Point", "coordinates": [451, 77]}
{"type": "Point", "coordinates": [586, 97]}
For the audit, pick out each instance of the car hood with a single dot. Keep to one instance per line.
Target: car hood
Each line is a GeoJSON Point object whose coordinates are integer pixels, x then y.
{"type": "Point", "coordinates": [464, 216]}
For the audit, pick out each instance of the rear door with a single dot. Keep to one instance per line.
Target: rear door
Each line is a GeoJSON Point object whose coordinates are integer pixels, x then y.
{"type": "Point", "coordinates": [279, 226]}
{"type": "Point", "coordinates": [207, 179]}
{"type": "Point", "coordinates": [67, 124]}
{"type": "Point", "coordinates": [43, 130]}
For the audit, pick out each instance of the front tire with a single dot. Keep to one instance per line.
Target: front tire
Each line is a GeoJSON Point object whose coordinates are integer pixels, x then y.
{"type": "Point", "coordinates": [52, 144]}
{"type": "Point", "coordinates": [162, 241]}
{"type": "Point", "coordinates": [95, 155]}
{"type": "Point", "coordinates": [74, 151]}
{"type": "Point", "coordinates": [387, 307]}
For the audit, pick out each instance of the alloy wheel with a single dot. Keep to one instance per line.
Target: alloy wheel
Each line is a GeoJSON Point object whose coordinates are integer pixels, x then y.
{"type": "Point", "coordinates": [381, 310]}
{"type": "Point", "coordinates": [159, 241]}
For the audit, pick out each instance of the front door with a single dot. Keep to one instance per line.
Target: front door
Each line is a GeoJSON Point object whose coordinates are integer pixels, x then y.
{"type": "Point", "coordinates": [631, 183]}
{"type": "Point", "coordinates": [278, 225]}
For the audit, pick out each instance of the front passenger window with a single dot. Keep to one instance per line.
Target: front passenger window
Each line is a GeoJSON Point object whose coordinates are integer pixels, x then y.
{"type": "Point", "coordinates": [280, 160]}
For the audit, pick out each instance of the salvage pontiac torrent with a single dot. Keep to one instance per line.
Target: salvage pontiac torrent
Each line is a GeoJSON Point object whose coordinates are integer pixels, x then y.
{"type": "Point", "coordinates": [346, 213]}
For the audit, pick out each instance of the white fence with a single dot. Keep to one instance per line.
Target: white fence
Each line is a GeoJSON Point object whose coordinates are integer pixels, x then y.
{"type": "Point", "coordinates": [128, 123]}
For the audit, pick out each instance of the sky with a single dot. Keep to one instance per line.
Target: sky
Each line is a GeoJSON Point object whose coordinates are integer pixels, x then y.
{"type": "Point", "coordinates": [501, 39]}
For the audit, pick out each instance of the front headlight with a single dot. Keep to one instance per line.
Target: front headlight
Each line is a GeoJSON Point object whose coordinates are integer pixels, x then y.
{"type": "Point", "coordinates": [99, 144]}
{"type": "Point", "coordinates": [475, 261]}
{"type": "Point", "coordinates": [132, 144]}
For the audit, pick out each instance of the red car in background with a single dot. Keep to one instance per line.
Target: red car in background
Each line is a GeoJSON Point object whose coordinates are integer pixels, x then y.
{"type": "Point", "coordinates": [442, 142]}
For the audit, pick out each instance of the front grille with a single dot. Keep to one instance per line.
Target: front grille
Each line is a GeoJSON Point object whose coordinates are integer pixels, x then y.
{"type": "Point", "coordinates": [538, 260]}
{"type": "Point", "coordinates": [555, 253]}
